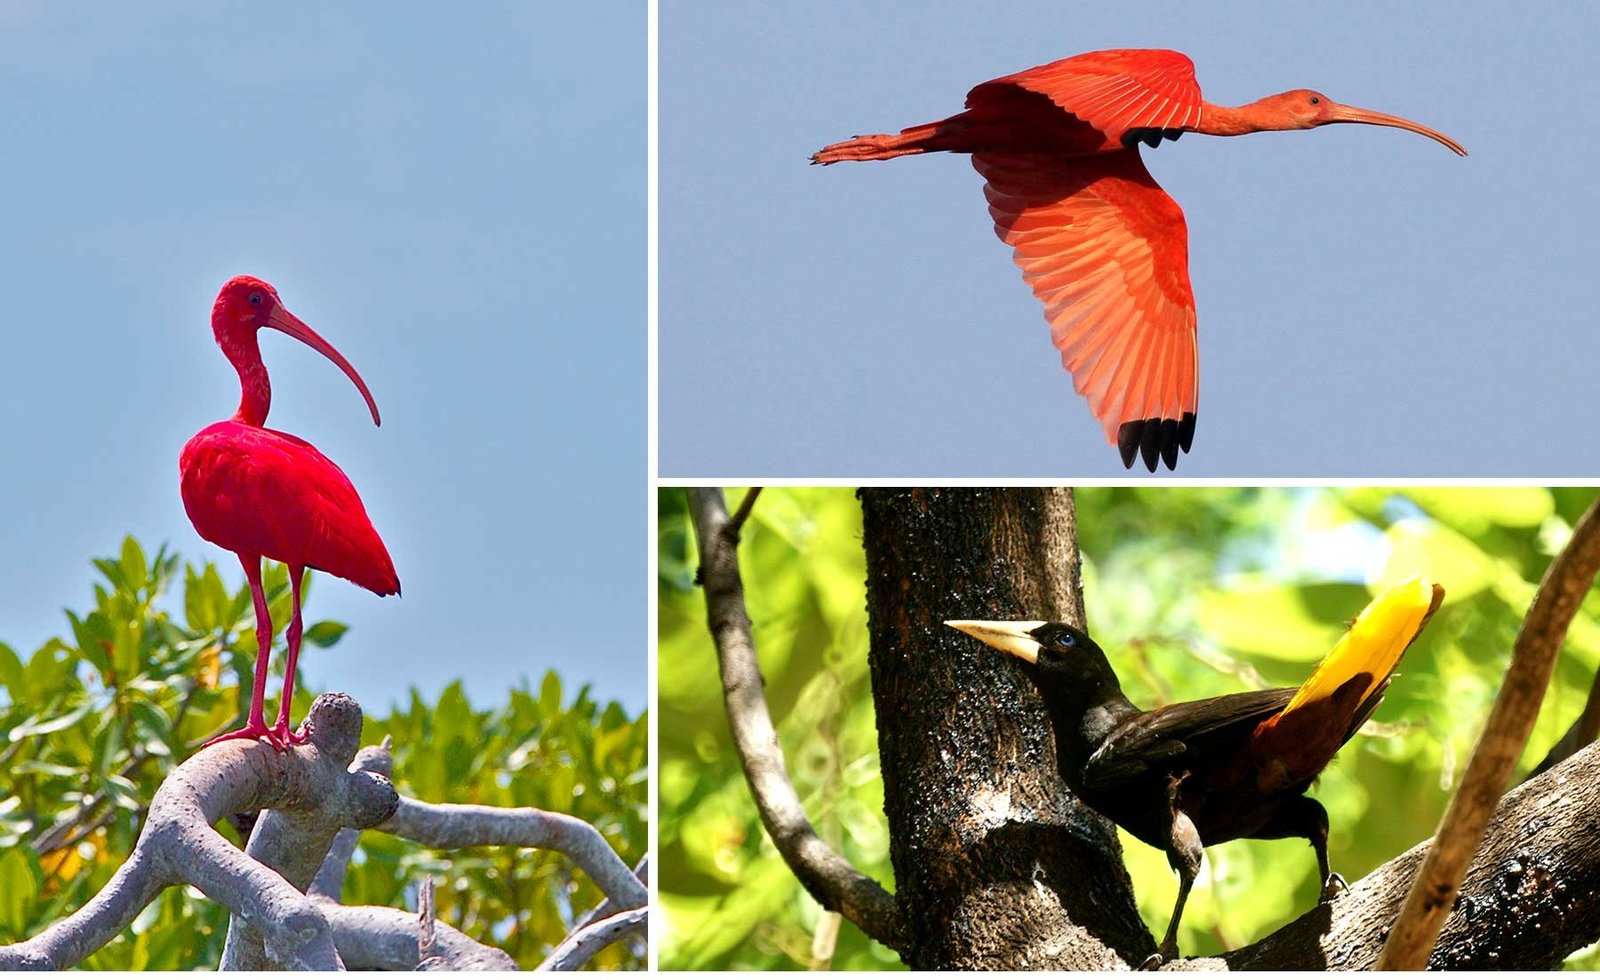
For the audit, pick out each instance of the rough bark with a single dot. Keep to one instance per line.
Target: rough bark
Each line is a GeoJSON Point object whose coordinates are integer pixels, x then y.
{"type": "Point", "coordinates": [996, 864]}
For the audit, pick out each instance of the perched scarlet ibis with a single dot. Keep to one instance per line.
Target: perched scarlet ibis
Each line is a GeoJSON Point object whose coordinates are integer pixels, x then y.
{"type": "Point", "coordinates": [261, 493]}
{"type": "Point", "coordinates": [1104, 248]}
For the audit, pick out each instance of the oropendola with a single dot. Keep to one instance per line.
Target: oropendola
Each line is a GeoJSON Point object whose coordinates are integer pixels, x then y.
{"type": "Point", "coordinates": [1189, 775]}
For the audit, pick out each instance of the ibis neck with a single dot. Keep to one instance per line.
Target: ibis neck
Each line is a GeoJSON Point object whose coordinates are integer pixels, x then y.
{"type": "Point", "coordinates": [1222, 120]}
{"type": "Point", "coordinates": [255, 389]}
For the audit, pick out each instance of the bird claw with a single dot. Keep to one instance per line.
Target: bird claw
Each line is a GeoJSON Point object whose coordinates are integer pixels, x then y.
{"type": "Point", "coordinates": [282, 736]}
{"type": "Point", "coordinates": [251, 731]}
{"type": "Point", "coordinates": [1153, 962]}
{"type": "Point", "coordinates": [1334, 887]}
{"type": "Point", "coordinates": [279, 736]}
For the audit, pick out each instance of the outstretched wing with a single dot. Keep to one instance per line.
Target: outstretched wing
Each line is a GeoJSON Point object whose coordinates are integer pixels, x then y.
{"type": "Point", "coordinates": [1121, 92]}
{"type": "Point", "coordinates": [1107, 252]}
{"type": "Point", "coordinates": [1165, 737]}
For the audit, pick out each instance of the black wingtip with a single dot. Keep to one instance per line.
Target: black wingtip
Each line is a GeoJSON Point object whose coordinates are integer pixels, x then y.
{"type": "Point", "coordinates": [1155, 440]}
{"type": "Point", "coordinates": [1128, 442]}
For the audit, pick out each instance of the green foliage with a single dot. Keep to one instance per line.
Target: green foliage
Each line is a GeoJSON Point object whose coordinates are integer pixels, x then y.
{"type": "Point", "coordinates": [1193, 592]}
{"type": "Point", "coordinates": [91, 724]}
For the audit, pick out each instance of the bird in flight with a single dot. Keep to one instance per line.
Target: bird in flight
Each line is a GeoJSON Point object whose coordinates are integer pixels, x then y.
{"type": "Point", "coordinates": [1185, 776]}
{"type": "Point", "coordinates": [1101, 244]}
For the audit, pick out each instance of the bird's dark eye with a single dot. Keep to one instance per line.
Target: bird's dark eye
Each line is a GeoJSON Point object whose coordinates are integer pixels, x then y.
{"type": "Point", "coordinates": [1316, 100]}
{"type": "Point", "coordinates": [255, 299]}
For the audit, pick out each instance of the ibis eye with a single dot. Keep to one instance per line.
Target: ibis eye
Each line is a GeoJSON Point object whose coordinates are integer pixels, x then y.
{"type": "Point", "coordinates": [1316, 100]}
{"type": "Point", "coordinates": [255, 299]}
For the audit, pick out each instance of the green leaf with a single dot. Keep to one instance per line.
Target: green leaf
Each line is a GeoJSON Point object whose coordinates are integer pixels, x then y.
{"type": "Point", "coordinates": [18, 884]}
{"type": "Point", "coordinates": [134, 570]}
{"type": "Point", "coordinates": [53, 724]}
{"type": "Point", "coordinates": [325, 633]}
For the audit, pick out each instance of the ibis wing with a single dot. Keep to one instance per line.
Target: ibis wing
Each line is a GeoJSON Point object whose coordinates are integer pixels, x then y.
{"type": "Point", "coordinates": [1115, 91]}
{"type": "Point", "coordinates": [1107, 252]}
{"type": "Point", "coordinates": [264, 492]}
{"type": "Point", "coordinates": [1167, 736]}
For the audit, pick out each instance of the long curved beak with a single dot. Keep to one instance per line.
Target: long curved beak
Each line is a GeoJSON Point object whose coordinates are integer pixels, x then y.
{"type": "Point", "coordinates": [1008, 637]}
{"type": "Point", "coordinates": [1351, 114]}
{"type": "Point", "coordinates": [282, 319]}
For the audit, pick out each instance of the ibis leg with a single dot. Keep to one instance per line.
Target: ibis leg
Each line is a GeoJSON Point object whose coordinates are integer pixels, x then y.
{"type": "Point", "coordinates": [256, 724]}
{"type": "Point", "coordinates": [292, 639]}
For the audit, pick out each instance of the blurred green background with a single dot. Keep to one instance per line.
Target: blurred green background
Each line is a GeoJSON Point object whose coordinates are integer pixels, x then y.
{"type": "Point", "coordinates": [1192, 592]}
{"type": "Point", "coordinates": [91, 722]}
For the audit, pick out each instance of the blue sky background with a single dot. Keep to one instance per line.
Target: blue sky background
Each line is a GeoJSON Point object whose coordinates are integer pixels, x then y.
{"type": "Point", "coordinates": [1370, 305]}
{"type": "Point", "coordinates": [455, 199]}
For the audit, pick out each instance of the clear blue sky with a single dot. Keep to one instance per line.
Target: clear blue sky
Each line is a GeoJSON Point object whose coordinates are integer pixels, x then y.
{"type": "Point", "coordinates": [1370, 305]}
{"type": "Point", "coordinates": [454, 198]}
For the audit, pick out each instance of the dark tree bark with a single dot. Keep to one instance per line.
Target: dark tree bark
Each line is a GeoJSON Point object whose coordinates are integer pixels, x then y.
{"type": "Point", "coordinates": [997, 865]}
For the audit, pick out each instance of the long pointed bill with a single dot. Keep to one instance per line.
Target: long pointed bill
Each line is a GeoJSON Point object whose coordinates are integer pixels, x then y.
{"type": "Point", "coordinates": [1351, 114]}
{"type": "Point", "coordinates": [282, 319]}
{"type": "Point", "coordinates": [1008, 637]}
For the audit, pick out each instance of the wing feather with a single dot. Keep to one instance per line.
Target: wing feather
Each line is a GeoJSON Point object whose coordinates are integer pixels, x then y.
{"type": "Point", "coordinates": [1106, 251]}
{"type": "Point", "coordinates": [1115, 91]}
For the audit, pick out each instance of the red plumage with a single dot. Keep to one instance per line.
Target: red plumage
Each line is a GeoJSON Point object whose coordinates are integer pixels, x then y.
{"type": "Point", "coordinates": [261, 493]}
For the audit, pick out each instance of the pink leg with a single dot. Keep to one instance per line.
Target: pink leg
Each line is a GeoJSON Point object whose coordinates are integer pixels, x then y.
{"type": "Point", "coordinates": [256, 725]}
{"type": "Point", "coordinates": [292, 637]}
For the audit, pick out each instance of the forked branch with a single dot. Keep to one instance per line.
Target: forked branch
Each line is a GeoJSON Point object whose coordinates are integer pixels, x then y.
{"type": "Point", "coordinates": [825, 873]}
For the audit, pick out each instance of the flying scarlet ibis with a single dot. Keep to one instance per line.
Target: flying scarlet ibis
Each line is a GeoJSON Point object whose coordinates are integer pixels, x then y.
{"type": "Point", "coordinates": [261, 493]}
{"type": "Point", "coordinates": [1103, 246]}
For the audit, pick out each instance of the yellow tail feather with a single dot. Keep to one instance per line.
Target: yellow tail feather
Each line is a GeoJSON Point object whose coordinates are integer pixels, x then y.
{"type": "Point", "coordinates": [1374, 642]}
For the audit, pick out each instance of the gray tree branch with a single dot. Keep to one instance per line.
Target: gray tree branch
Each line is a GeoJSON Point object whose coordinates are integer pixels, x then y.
{"type": "Point", "coordinates": [312, 800]}
{"type": "Point", "coordinates": [178, 846]}
{"type": "Point", "coordinates": [825, 873]}
{"type": "Point", "coordinates": [578, 948]}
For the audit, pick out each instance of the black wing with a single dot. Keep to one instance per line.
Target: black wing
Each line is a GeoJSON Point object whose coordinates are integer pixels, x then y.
{"type": "Point", "coordinates": [1161, 738]}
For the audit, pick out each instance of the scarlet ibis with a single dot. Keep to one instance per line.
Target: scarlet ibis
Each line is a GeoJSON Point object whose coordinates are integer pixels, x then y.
{"type": "Point", "coordinates": [261, 493]}
{"type": "Point", "coordinates": [1103, 246]}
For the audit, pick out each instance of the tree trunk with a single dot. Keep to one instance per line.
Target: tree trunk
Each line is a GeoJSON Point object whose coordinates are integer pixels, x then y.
{"type": "Point", "coordinates": [997, 865]}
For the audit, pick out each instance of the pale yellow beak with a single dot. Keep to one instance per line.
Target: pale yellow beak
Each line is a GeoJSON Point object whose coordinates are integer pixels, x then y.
{"type": "Point", "coordinates": [1008, 637]}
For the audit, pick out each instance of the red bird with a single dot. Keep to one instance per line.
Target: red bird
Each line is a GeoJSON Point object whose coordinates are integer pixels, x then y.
{"type": "Point", "coordinates": [261, 493]}
{"type": "Point", "coordinates": [1103, 246]}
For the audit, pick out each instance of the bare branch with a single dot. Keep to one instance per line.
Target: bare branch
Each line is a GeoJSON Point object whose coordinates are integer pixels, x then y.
{"type": "Point", "coordinates": [374, 938]}
{"type": "Point", "coordinates": [608, 908]}
{"type": "Point", "coordinates": [449, 825]}
{"type": "Point", "coordinates": [831, 879]}
{"type": "Point", "coordinates": [578, 948]}
{"type": "Point", "coordinates": [1516, 707]}
{"type": "Point", "coordinates": [736, 522]}
{"type": "Point", "coordinates": [178, 845]}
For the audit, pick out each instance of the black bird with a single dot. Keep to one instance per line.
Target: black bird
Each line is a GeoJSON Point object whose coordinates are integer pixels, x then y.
{"type": "Point", "coordinates": [1189, 775]}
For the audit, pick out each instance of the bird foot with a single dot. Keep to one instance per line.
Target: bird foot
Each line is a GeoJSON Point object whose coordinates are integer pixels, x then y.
{"type": "Point", "coordinates": [253, 731]}
{"type": "Point", "coordinates": [279, 736]}
{"type": "Point", "coordinates": [1334, 887]}
{"type": "Point", "coordinates": [282, 736]}
{"type": "Point", "coordinates": [1164, 954]}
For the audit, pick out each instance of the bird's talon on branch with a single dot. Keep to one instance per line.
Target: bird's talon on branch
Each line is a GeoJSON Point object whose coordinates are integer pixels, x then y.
{"type": "Point", "coordinates": [1153, 961]}
{"type": "Point", "coordinates": [1334, 887]}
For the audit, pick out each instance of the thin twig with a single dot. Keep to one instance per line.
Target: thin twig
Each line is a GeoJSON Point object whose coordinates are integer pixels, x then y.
{"type": "Point", "coordinates": [1433, 893]}
{"type": "Point", "coordinates": [578, 948]}
{"type": "Point", "coordinates": [736, 522]}
{"type": "Point", "coordinates": [831, 879]}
